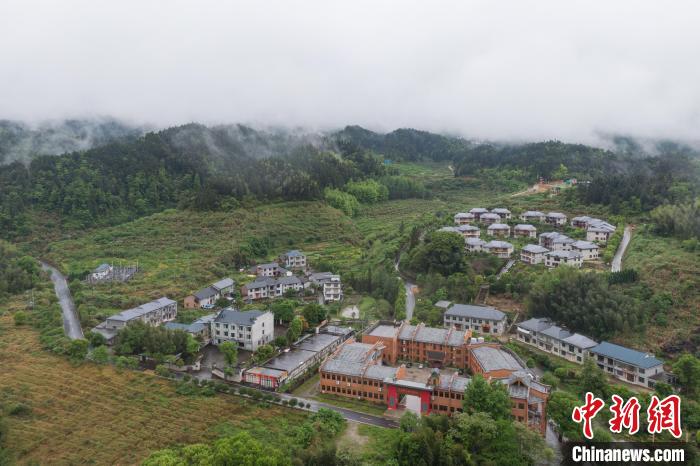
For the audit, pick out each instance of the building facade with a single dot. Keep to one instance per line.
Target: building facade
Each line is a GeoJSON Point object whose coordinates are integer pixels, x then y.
{"type": "Point", "coordinates": [482, 319]}
{"type": "Point", "coordinates": [554, 259]}
{"type": "Point", "coordinates": [153, 313]}
{"type": "Point", "coordinates": [293, 259]}
{"type": "Point", "coordinates": [501, 249]}
{"type": "Point", "coordinates": [498, 229]}
{"type": "Point", "coordinates": [533, 254]}
{"type": "Point", "coordinates": [525, 230]}
{"type": "Point", "coordinates": [544, 335]}
{"type": "Point", "coordinates": [628, 365]}
{"type": "Point", "coordinates": [249, 329]}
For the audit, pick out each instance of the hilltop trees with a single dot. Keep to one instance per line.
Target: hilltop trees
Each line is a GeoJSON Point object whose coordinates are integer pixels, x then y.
{"type": "Point", "coordinates": [17, 272]}
{"type": "Point", "coordinates": [441, 252]}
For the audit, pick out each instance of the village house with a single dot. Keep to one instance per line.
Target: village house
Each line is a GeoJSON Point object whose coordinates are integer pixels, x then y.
{"type": "Point", "coordinates": [293, 259]}
{"type": "Point", "coordinates": [599, 231]}
{"type": "Point", "coordinates": [205, 297]}
{"type": "Point", "coordinates": [474, 244]}
{"type": "Point", "coordinates": [469, 231]}
{"type": "Point", "coordinates": [269, 288]}
{"type": "Point", "coordinates": [533, 254]}
{"type": "Point", "coordinates": [489, 218]}
{"type": "Point", "coordinates": [589, 251]}
{"type": "Point", "coordinates": [503, 213]}
{"type": "Point", "coordinates": [249, 329]}
{"type": "Point", "coordinates": [498, 229]}
{"type": "Point", "coordinates": [557, 258]}
{"type": "Point", "coordinates": [532, 216]}
{"type": "Point", "coordinates": [524, 230]}
{"type": "Point", "coordinates": [555, 218]}
{"type": "Point", "coordinates": [463, 218]}
{"type": "Point", "coordinates": [477, 212]}
{"type": "Point", "coordinates": [101, 272]}
{"type": "Point", "coordinates": [628, 365]}
{"type": "Point", "coordinates": [271, 269]}
{"type": "Point", "coordinates": [154, 313]}
{"type": "Point", "coordinates": [329, 284]}
{"type": "Point", "coordinates": [482, 319]}
{"type": "Point", "coordinates": [556, 241]}
{"type": "Point", "coordinates": [501, 249]}
{"type": "Point", "coordinates": [544, 335]}
{"type": "Point", "coordinates": [580, 222]}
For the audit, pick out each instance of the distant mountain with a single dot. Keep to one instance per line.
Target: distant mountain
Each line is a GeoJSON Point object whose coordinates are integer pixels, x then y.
{"type": "Point", "coordinates": [22, 142]}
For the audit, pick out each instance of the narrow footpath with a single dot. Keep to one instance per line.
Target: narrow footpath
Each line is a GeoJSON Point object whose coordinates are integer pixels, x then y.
{"type": "Point", "coordinates": [71, 324]}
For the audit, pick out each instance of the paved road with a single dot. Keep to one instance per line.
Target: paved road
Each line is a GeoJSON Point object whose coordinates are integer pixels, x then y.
{"type": "Point", "coordinates": [410, 299]}
{"type": "Point", "coordinates": [616, 264]}
{"type": "Point", "coordinates": [71, 324]}
{"type": "Point", "coordinates": [506, 268]}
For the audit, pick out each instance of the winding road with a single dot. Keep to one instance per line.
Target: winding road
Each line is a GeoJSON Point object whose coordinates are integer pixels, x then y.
{"type": "Point", "coordinates": [410, 295]}
{"type": "Point", "coordinates": [71, 324]}
{"type": "Point", "coordinates": [616, 264]}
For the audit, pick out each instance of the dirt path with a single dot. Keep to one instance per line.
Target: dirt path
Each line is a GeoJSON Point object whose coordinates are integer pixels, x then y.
{"type": "Point", "coordinates": [616, 264]}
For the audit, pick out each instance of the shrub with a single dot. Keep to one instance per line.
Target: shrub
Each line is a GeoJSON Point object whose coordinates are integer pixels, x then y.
{"type": "Point", "coordinates": [19, 409]}
{"type": "Point", "coordinates": [162, 371]}
{"type": "Point", "coordinates": [21, 318]}
{"type": "Point", "coordinates": [293, 402]}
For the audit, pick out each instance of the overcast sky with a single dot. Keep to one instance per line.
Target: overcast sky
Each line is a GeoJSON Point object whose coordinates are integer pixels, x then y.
{"type": "Point", "coordinates": [492, 69]}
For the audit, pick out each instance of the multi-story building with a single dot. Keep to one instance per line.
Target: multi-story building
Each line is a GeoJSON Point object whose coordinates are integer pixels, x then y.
{"type": "Point", "coordinates": [488, 218]}
{"type": "Point", "coordinates": [463, 218]}
{"type": "Point", "coordinates": [599, 231]}
{"type": "Point", "coordinates": [589, 251]}
{"type": "Point", "coordinates": [533, 254]}
{"type": "Point", "coordinates": [154, 313]}
{"type": "Point", "coordinates": [293, 259]}
{"type": "Point", "coordinates": [332, 289]}
{"type": "Point", "coordinates": [270, 288]}
{"type": "Point", "coordinates": [581, 222]}
{"type": "Point", "coordinates": [503, 213]}
{"type": "Point", "coordinates": [544, 335]}
{"type": "Point", "coordinates": [533, 216]}
{"type": "Point", "coordinates": [477, 212]}
{"type": "Point", "coordinates": [482, 319]}
{"type": "Point", "coordinates": [210, 295]}
{"type": "Point", "coordinates": [468, 231]}
{"type": "Point", "coordinates": [474, 244]}
{"type": "Point", "coordinates": [498, 229]}
{"type": "Point", "coordinates": [357, 370]}
{"type": "Point", "coordinates": [555, 218]}
{"type": "Point", "coordinates": [556, 258]}
{"type": "Point", "coordinates": [555, 241]}
{"type": "Point", "coordinates": [248, 329]}
{"type": "Point", "coordinates": [436, 346]}
{"type": "Point", "coordinates": [501, 249]}
{"type": "Point", "coordinates": [628, 365]}
{"type": "Point", "coordinates": [271, 269]}
{"type": "Point", "coordinates": [525, 230]}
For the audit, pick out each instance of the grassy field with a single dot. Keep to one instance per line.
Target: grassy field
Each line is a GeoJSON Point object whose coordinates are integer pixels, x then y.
{"type": "Point", "coordinates": [666, 267]}
{"type": "Point", "coordinates": [90, 414]}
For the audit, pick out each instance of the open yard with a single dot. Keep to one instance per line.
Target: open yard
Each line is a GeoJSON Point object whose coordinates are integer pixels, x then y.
{"type": "Point", "coordinates": [97, 415]}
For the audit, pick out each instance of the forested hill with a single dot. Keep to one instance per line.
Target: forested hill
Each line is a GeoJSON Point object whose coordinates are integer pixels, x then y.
{"type": "Point", "coordinates": [22, 142]}
{"type": "Point", "coordinates": [191, 166]}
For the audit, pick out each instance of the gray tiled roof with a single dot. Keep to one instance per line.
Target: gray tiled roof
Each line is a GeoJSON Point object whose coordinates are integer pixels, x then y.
{"type": "Point", "coordinates": [464, 215]}
{"type": "Point", "coordinates": [479, 210]}
{"type": "Point", "coordinates": [443, 304]}
{"type": "Point", "coordinates": [292, 360]}
{"type": "Point", "coordinates": [580, 341]}
{"type": "Point", "coordinates": [378, 372]}
{"type": "Point", "coordinates": [261, 282]}
{"type": "Point", "coordinates": [480, 312]}
{"type": "Point", "coordinates": [556, 332]}
{"type": "Point", "coordinates": [102, 268]}
{"type": "Point", "coordinates": [453, 382]}
{"type": "Point", "coordinates": [498, 226]}
{"type": "Point", "coordinates": [584, 245]}
{"type": "Point", "coordinates": [474, 241]}
{"type": "Point", "coordinates": [318, 342]}
{"type": "Point", "coordinates": [137, 312]}
{"type": "Point", "coordinates": [491, 359]}
{"type": "Point", "coordinates": [194, 327]}
{"type": "Point", "coordinates": [293, 253]}
{"type": "Point", "coordinates": [627, 355]}
{"type": "Point", "coordinates": [498, 244]}
{"type": "Point", "coordinates": [536, 324]}
{"type": "Point", "coordinates": [524, 226]}
{"type": "Point", "coordinates": [223, 283]}
{"type": "Point", "coordinates": [535, 249]}
{"type": "Point", "coordinates": [556, 215]}
{"type": "Point", "coordinates": [205, 293]}
{"type": "Point", "coordinates": [500, 210]}
{"type": "Point", "coordinates": [491, 216]}
{"type": "Point", "coordinates": [565, 254]}
{"type": "Point", "coordinates": [232, 316]}
{"type": "Point", "coordinates": [467, 228]}
{"type": "Point", "coordinates": [449, 229]}
{"type": "Point", "coordinates": [386, 331]}
{"type": "Point", "coordinates": [533, 213]}
{"type": "Point", "coordinates": [289, 280]}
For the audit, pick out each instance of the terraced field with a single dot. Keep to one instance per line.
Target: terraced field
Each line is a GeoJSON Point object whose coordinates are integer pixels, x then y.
{"type": "Point", "coordinates": [96, 415]}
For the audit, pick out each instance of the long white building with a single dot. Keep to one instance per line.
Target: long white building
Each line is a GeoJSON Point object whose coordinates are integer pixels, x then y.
{"type": "Point", "coordinates": [248, 329]}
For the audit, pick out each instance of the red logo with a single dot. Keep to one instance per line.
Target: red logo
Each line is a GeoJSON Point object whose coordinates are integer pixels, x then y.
{"type": "Point", "coordinates": [624, 416]}
{"type": "Point", "coordinates": [665, 415]}
{"type": "Point", "coordinates": [587, 412]}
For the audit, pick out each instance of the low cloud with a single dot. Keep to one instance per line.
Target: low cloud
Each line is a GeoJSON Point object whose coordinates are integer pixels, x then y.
{"type": "Point", "coordinates": [514, 70]}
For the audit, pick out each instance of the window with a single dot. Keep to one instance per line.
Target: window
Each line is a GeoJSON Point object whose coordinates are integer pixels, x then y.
{"type": "Point", "coordinates": [521, 405]}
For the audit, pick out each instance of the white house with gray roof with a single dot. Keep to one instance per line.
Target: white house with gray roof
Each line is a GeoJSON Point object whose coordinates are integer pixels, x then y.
{"type": "Point", "coordinates": [502, 212]}
{"type": "Point", "coordinates": [533, 216]}
{"type": "Point", "coordinates": [468, 231]}
{"type": "Point", "coordinates": [477, 212]}
{"type": "Point", "coordinates": [248, 329]}
{"type": "Point", "coordinates": [555, 218]}
{"type": "Point", "coordinates": [293, 259]}
{"type": "Point", "coordinates": [589, 251]}
{"type": "Point", "coordinates": [533, 254]}
{"type": "Point", "coordinates": [555, 241]}
{"type": "Point", "coordinates": [463, 218]}
{"type": "Point", "coordinates": [501, 249]}
{"type": "Point", "coordinates": [554, 259]}
{"type": "Point", "coordinates": [628, 365]}
{"type": "Point", "coordinates": [153, 313]}
{"type": "Point", "coordinates": [599, 230]}
{"type": "Point", "coordinates": [474, 244]}
{"type": "Point", "coordinates": [525, 230]}
{"type": "Point", "coordinates": [544, 335]}
{"type": "Point", "coordinates": [482, 319]}
{"type": "Point", "coordinates": [498, 229]}
{"type": "Point", "coordinates": [489, 218]}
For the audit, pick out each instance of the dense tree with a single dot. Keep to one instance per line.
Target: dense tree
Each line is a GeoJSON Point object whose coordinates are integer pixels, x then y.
{"type": "Point", "coordinates": [283, 309]}
{"type": "Point", "coordinates": [441, 252]}
{"type": "Point", "coordinates": [314, 313]}
{"type": "Point", "coordinates": [17, 272]}
{"type": "Point", "coordinates": [263, 353]}
{"type": "Point", "coordinates": [484, 397]}
{"type": "Point", "coordinates": [141, 338]}
{"type": "Point", "coordinates": [230, 351]}
{"type": "Point", "coordinates": [584, 302]}
{"type": "Point", "coordinates": [295, 328]}
{"type": "Point", "coordinates": [687, 369]}
{"type": "Point", "coordinates": [681, 220]}
{"type": "Point", "coordinates": [594, 380]}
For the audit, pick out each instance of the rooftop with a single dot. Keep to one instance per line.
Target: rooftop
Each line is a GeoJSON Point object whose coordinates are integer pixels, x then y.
{"type": "Point", "coordinates": [564, 254]}
{"type": "Point", "coordinates": [533, 213]}
{"type": "Point", "coordinates": [498, 244]}
{"type": "Point", "coordinates": [500, 210]}
{"type": "Point", "coordinates": [443, 304]}
{"type": "Point", "coordinates": [205, 293]}
{"type": "Point", "coordinates": [556, 332]}
{"type": "Point", "coordinates": [580, 341]}
{"type": "Point", "coordinates": [525, 226]}
{"type": "Point", "coordinates": [467, 228]}
{"type": "Point", "coordinates": [491, 216]}
{"type": "Point", "coordinates": [535, 249]}
{"type": "Point", "coordinates": [449, 229]}
{"type": "Point", "coordinates": [478, 210]}
{"type": "Point", "coordinates": [223, 283]}
{"type": "Point", "coordinates": [291, 360]}
{"type": "Point", "coordinates": [626, 355]}
{"type": "Point", "coordinates": [492, 359]}
{"type": "Point", "coordinates": [293, 253]}
{"type": "Point", "coordinates": [584, 245]}
{"type": "Point", "coordinates": [556, 215]}
{"type": "Point", "coordinates": [464, 215]}
{"type": "Point", "coordinates": [266, 371]}
{"type": "Point", "coordinates": [474, 242]}
{"type": "Point", "coordinates": [384, 331]}
{"type": "Point", "coordinates": [102, 268]}
{"type": "Point", "coordinates": [233, 316]}
{"type": "Point", "coordinates": [318, 342]}
{"type": "Point", "coordinates": [137, 312]}
{"type": "Point", "coordinates": [480, 312]}
{"type": "Point", "coordinates": [498, 226]}
{"type": "Point", "coordinates": [536, 324]}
